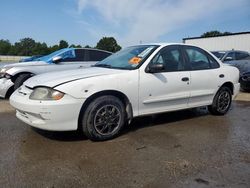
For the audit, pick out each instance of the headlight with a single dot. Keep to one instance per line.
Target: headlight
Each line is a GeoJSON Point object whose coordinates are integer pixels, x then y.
{"type": "Point", "coordinates": [44, 93]}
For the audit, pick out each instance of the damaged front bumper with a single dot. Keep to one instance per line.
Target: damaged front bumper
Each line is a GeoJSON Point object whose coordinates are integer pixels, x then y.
{"type": "Point", "coordinates": [61, 115]}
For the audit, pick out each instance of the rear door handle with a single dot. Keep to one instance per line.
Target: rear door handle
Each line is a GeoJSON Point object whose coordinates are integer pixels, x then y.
{"type": "Point", "coordinates": [185, 79]}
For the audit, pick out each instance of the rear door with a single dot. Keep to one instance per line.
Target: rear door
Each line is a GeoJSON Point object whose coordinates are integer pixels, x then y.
{"type": "Point", "coordinates": [205, 76]}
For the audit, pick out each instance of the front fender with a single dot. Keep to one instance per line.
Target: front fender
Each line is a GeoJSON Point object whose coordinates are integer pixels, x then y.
{"type": "Point", "coordinates": [126, 83]}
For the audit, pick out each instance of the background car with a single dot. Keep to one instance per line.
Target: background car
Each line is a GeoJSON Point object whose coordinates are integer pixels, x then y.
{"type": "Point", "coordinates": [136, 81]}
{"type": "Point", "coordinates": [245, 79]}
{"type": "Point", "coordinates": [239, 59]}
{"type": "Point", "coordinates": [232, 55]}
{"type": "Point", "coordinates": [12, 76]}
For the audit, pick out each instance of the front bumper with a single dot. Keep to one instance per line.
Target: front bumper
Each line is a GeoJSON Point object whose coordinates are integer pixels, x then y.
{"type": "Point", "coordinates": [61, 115]}
{"type": "Point", "coordinates": [5, 85]}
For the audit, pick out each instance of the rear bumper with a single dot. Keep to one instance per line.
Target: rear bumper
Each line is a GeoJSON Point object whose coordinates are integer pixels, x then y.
{"type": "Point", "coordinates": [236, 90]}
{"type": "Point", "coordinates": [5, 85]}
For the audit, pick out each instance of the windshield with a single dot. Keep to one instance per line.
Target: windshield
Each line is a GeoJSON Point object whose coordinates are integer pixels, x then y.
{"type": "Point", "coordinates": [128, 58]}
{"type": "Point", "coordinates": [219, 55]}
{"type": "Point", "coordinates": [48, 58]}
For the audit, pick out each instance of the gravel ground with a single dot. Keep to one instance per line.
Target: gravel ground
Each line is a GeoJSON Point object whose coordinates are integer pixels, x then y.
{"type": "Point", "coordinates": [188, 148]}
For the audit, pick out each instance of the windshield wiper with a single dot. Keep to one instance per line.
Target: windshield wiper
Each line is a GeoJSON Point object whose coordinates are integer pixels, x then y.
{"type": "Point", "coordinates": [102, 65]}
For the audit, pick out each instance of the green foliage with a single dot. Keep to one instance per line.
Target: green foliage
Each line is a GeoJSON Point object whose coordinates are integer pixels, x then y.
{"type": "Point", "coordinates": [29, 47]}
{"type": "Point", "coordinates": [5, 46]}
{"type": "Point", "coordinates": [54, 48]}
{"type": "Point", "coordinates": [108, 44]}
{"type": "Point", "coordinates": [25, 47]}
{"type": "Point", "coordinates": [87, 46]}
{"type": "Point", "coordinates": [75, 46]}
{"type": "Point", "coordinates": [63, 44]}
{"type": "Point", "coordinates": [40, 49]}
{"type": "Point", "coordinates": [214, 34]}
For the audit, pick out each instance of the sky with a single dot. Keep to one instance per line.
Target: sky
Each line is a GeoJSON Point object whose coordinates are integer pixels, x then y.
{"type": "Point", "coordinates": [130, 22]}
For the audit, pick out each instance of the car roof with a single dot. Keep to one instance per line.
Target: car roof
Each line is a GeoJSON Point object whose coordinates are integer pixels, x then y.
{"type": "Point", "coordinates": [164, 44]}
{"type": "Point", "coordinates": [227, 51]}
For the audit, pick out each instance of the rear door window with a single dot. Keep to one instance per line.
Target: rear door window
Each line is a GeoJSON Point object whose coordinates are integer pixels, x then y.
{"type": "Point", "coordinates": [79, 55]}
{"type": "Point", "coordinates": [94, 55]}
{"type": "Point", "coordinates": [68, 56]}
{"type": "Point", "coordinates": [199, 59]}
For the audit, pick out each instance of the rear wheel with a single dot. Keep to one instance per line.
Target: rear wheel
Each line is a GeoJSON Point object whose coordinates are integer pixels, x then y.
{"type": "Point", "coordinates": [103, 118]}
{"type": "Point", "coordinates": [20, 79]}
{"type": "Point", "coordinates": [222, 102]}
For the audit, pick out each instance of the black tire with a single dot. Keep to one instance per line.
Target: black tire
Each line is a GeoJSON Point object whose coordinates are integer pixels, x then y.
{"type": "Point", "coordinates": [221, 102]}
{"type": "Point", "coordinates": [20, 79]}
{"type": "Point", "coordinates": [103, 118]}
{"type": "Point", "coordinates": [9, 92]}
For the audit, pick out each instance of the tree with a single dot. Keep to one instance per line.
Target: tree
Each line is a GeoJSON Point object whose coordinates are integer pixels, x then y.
{"type": "Point", "coordinates": [53, 48]}
{"type": "Point", "coordinates": [5, 47]}
{"type": "Point", "coordinates": [108, 44]}
{"type": "Point", "coordinates": [25, 46]}
{"type": "Point", "coordinates": [63, 44]}
{"type": "Point", "coordinates": [75, 46]}
{"type": "Point", "coordinates": [87, 46]}
{"type": "Point", "coordinates": [41, 49]}
{"type": "Point", "coordinates": [214, 34]}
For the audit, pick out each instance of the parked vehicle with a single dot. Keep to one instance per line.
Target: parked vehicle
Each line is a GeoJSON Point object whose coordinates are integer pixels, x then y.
{"type": "Point", "coordinates": [32, 58]}
{"type": "Point", "coordinates": [12, 76]}
{"type": "Point", "coordinates": [245, 81]}
{"type": "Point", "coordinates": [241, 60]}
{"type": "Point", "coordinates": [244, 68]}
{"type": "Point", "coordinates": [136, 81]}
{"type": "Point", "coordinates": [232, 55]}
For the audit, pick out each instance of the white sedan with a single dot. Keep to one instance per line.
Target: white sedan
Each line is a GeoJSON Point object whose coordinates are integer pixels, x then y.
{"type": "Point", "coordinates": [136, 81]}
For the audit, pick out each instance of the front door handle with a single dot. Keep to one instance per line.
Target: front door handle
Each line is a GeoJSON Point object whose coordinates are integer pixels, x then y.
{"type": "Point", "coordinates": [185, 79]}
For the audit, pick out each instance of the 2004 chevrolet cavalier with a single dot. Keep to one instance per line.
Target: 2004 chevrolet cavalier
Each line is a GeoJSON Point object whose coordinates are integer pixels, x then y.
{"type": "Point", "coordinates": [138, 80]}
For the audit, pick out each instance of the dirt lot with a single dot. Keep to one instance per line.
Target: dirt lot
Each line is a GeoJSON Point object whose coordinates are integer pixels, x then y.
{"type": "Point", "coordinates": [182, 149]}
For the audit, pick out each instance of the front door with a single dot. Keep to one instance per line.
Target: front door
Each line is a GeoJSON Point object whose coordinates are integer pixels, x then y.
{"type": "Point", "coordinates": [166, 89]}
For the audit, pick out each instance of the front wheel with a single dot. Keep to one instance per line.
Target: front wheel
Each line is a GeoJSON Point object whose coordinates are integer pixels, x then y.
{"type": "Point", "coordinates": [222, 102]}
{"type": "Point", "coordinates": [20, 79]}
{"type": "Point", "coordinates": [103, 118]}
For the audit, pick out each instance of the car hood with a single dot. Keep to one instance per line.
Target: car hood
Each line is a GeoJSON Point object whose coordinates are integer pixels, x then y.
{"type": "Point", "coordinates": [54, 79]}
{"type": "Point", "coordinates": [23, 64]}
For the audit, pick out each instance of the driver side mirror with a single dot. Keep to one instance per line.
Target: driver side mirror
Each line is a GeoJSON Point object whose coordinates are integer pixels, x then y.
{"type": "Point", "coordinates": [56, 59]}
{"type": "Point", "coordinates": [155, 67]}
